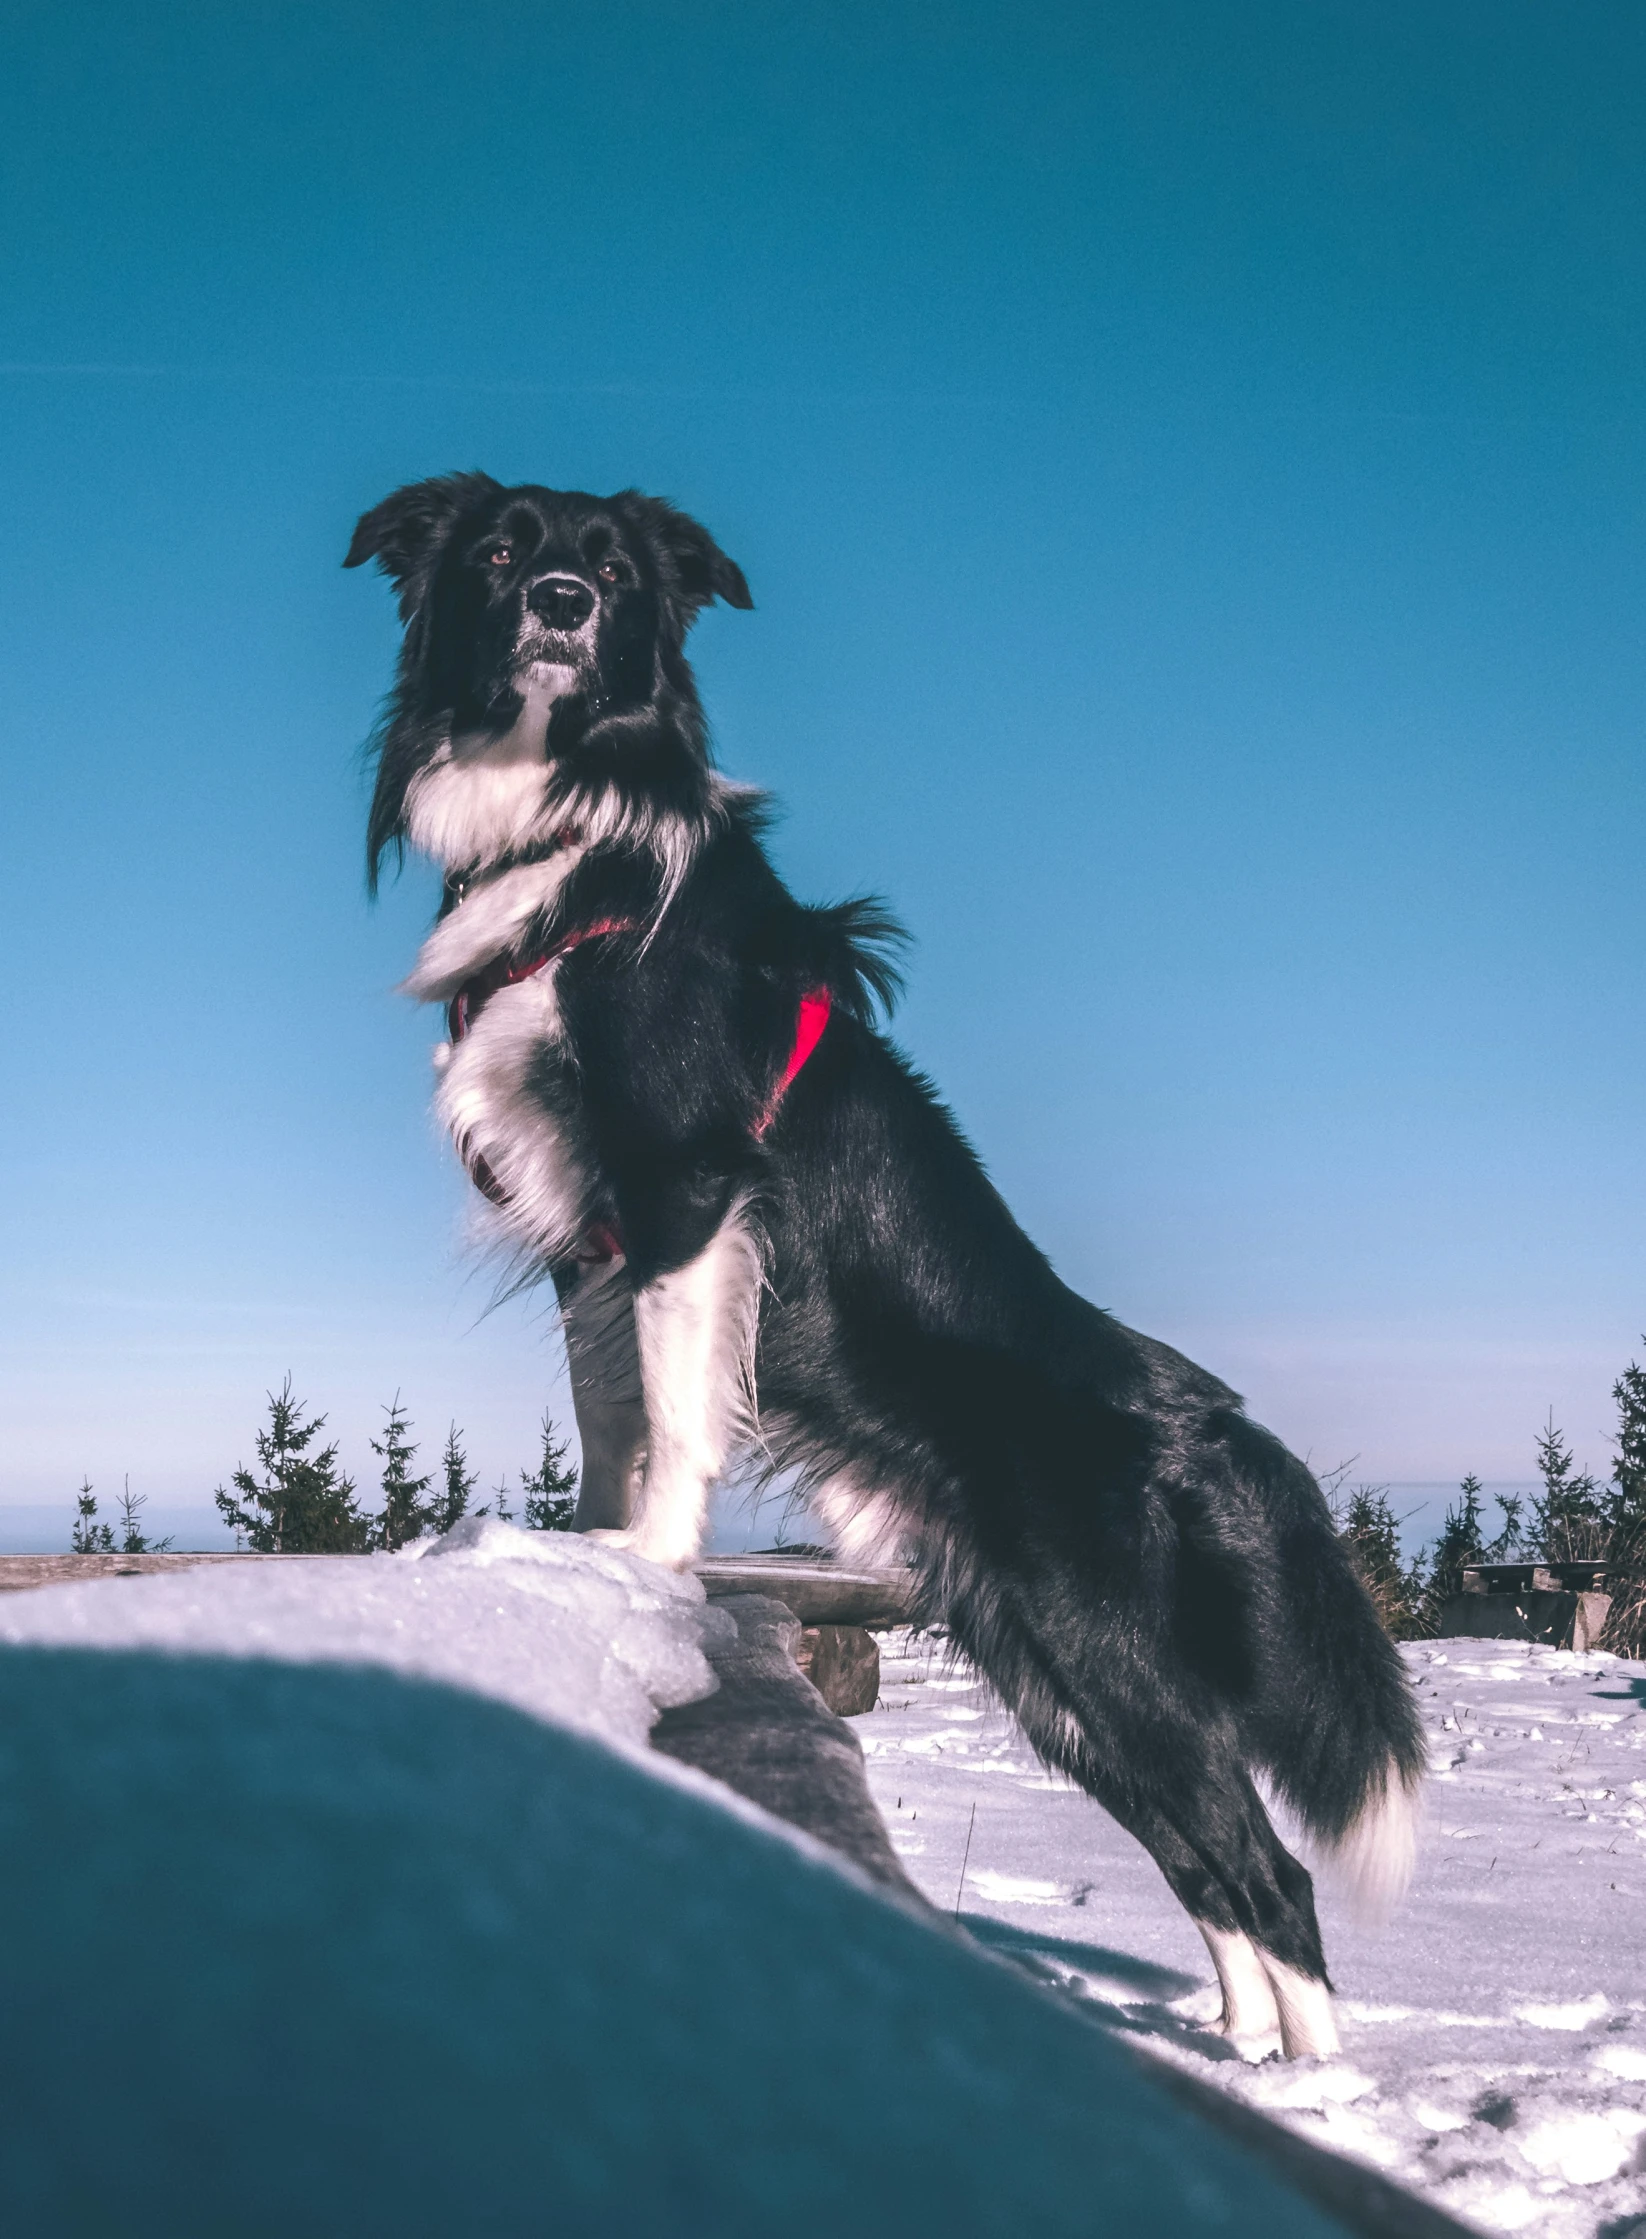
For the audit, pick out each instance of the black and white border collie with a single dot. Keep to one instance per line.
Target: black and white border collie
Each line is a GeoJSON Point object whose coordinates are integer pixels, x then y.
{"type": "Point", "coordinates": [769, 1237]}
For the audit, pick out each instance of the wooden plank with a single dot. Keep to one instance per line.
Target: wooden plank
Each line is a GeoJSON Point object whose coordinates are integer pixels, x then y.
{"type": "Point", "coordinates": [18, 1573]}
{"type": "Point", "coordinates": [818, 1592]}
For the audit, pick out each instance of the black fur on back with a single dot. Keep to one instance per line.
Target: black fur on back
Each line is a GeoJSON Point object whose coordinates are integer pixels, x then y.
{"type": "Point", "coordinates": [1149, 1579]}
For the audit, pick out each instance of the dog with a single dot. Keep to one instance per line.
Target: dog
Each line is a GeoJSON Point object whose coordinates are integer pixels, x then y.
{"type": "Point", "coordinates": [768, 1235]}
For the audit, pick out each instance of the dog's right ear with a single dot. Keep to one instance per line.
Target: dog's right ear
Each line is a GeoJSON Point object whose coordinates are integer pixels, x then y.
{"type": "Point", "coordinates": [405, 534]}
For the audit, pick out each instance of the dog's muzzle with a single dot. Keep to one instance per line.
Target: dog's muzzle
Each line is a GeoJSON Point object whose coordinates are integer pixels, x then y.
{"type": "Point", "coordinates": [560, 602]}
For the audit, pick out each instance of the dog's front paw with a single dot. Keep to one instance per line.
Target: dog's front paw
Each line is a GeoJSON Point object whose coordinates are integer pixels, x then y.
{"type": "Point", "coordinates": [651, 1547]}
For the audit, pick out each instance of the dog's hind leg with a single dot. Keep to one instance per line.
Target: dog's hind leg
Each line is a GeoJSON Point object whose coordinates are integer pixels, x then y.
{"type": "Point", "coordinates": [1251, 1900]}
{"type": "Point", "coordinates": [603, 1361]}
{"type": "Point", "coordinates": [695, 1330]}
{"type": "Point", "coordinates": [1249, 2006]}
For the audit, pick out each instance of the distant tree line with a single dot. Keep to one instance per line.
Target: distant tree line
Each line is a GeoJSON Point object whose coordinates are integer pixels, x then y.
{"type": "Point", "coordinates": [300, 1501]}
{"type": "Point", "coordinates": [1574, 1517]}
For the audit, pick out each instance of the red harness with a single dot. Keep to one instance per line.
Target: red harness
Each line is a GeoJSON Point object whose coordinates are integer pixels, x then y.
{"type": "Point", "coordinates": [602, 1241]}
{"type": "Point", "coordinates": [813, 1016]}
{"type": "Point", "coordinates": [473, 996]}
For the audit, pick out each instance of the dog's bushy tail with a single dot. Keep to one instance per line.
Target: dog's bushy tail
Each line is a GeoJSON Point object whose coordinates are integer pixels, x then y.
{"type": "Point", "coordinates": [1343, 1740]}
{"type": "Point", "coordinates": [1372, 1859]}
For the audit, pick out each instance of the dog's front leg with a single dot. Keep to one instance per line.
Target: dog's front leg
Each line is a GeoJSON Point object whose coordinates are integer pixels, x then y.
{"type": "Point", "coordinates": [696, 1329]}
{"type": "Point", "coordinates": [603, 1362]}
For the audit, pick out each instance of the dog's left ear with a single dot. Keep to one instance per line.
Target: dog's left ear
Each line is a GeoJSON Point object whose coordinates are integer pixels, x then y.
{"type": "Point", "coordinates": [701, 571]}
{"type": "Point", "coordinates": [405, 533]}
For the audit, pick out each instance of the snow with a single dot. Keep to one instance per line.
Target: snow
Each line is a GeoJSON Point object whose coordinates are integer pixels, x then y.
{"type": "Point", "coordinates": [341, 1899]}
{"type": "Point", "coordinates": [556, 1626]}
{"type": "Point", "coordinates": [1494, 2033]}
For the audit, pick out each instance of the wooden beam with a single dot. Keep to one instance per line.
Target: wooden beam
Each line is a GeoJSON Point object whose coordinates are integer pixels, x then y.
{"type": "Point", "coordinates": [818, 1592]}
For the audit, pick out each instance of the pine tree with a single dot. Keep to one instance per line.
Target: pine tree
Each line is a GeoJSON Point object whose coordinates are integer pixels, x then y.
{"type": "Point", "coordinates": [1462, 1542]}
{"type": "Point", "coordinates": [1459, 1543]}
{"type": "Point", "coordinates": [1626, 1508]}
{"type": "Point", "coordinates": [460, 1483]}
{"type": "Point", "coordinates": [1568, 1525]}
{"type": "Point", "coordinates": [550, 1489]}
{"type": "Point", "coordinates": [134, 1540]}
{"type": "Point", "coordinates": [90, 1537]}
{"type": "Point", "coordinates": [1397, 1588]}
{"type": "Point", "coordinates": [304, 1505]}
{"type": "Point", "coordinates": [1626, 1514]}
{"type": "Point", "coordinates": [407, 1513]}
{"type": "Point", "coordinates": [1511, 1540]}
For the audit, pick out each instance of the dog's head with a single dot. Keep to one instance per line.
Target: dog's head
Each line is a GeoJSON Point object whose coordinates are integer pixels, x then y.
{"type": "Point", "coordinates": [543, 660]}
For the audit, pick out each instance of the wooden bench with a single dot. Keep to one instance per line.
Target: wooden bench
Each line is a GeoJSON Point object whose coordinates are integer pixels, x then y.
{"type": "Point", "coordinates": [1558, 1605]}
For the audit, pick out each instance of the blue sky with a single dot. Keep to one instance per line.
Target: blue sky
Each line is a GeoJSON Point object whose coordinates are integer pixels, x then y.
{"type": "Point", "coordinates": [1189, 465]}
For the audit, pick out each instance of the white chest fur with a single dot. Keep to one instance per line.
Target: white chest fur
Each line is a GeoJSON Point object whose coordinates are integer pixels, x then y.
{"type": "Point", "coordinates": [505, 1094]}
{"type": "Point", "coordinates": [506, 1097]}
{"type": "Point", "coordinates": [486, 925]}
{"type": "Point", "coordinates": [483, 795]}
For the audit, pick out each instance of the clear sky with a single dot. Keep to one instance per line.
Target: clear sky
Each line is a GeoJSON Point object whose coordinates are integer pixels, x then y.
{"type": "Point", "coordinates": [1189, 463]}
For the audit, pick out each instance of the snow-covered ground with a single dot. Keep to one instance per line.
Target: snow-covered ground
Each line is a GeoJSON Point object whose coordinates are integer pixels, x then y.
{"type": "Point", "coordinates": [1494, 2034]}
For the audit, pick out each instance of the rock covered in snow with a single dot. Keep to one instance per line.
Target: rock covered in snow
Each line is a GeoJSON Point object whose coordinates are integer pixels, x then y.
{"type": "Point", "coordinates": [558, 1626]}
{"type": "Point", "coordinates": [321, 1918]}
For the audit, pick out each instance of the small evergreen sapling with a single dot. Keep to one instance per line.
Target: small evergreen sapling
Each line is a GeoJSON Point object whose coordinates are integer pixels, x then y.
{"type": "Point", "coordinates": [134, 1540]}
{"type": "Point", "coordinates": [550, 1489]}
{"type": "Point", "coordinates": [303, 1505]}
{"type": "Point", "coordinates": [407, 1512]}
{"type": "Point", "coordinates": [89, 1536]}
{"type": "Point", "coordinates": [453, 1502]}
{"type": "Point", "coordinates": [1568, 1520]}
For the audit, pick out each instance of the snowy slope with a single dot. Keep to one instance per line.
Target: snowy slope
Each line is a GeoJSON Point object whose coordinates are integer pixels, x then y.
{"type": "Point", "coordinates": [1494, 2035]}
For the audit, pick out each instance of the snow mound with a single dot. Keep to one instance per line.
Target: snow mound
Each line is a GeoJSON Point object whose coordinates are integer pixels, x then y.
{"type": "Point", "coordinates": [560, 1627]}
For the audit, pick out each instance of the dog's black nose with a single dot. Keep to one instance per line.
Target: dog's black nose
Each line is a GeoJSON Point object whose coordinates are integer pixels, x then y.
{"type": "Point", "coordinates": [561, 601]}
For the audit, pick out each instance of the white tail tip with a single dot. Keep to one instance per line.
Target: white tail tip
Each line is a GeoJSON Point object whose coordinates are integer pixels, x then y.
{"type": "Point", "coordinates": [1372, 1860]}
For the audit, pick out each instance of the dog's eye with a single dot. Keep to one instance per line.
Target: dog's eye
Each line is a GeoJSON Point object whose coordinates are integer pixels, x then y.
{"type": "Point", "coordinates": [500, 555]}
{"type": "Point", "coordinates": [609, 572]}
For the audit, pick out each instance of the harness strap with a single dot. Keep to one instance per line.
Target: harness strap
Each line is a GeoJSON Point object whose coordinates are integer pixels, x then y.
{"type": "Point", "coordinates": [815, 1006]}
{"type": "Point", "coordinates": [472, 997]}
{"type": "Point", "coordinates": [602, 1241]}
